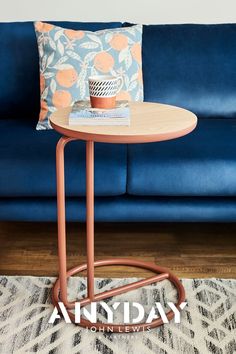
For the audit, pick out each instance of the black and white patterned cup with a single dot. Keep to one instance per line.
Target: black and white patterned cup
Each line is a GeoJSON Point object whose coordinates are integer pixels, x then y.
{"type": "Point", "coordinates": [103, 90]}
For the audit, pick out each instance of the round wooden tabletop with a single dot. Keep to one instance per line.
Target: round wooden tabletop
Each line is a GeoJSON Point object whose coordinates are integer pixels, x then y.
{"type": "Point", "coordinates": [150, 122]}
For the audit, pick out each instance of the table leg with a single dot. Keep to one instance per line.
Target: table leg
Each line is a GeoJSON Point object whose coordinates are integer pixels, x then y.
{"type": "Point", "coordinates": [90, 217]}
{"type": "Point", "coordinates": [60, 286]}
{"type": "Point", "coordinates": [61, 217]}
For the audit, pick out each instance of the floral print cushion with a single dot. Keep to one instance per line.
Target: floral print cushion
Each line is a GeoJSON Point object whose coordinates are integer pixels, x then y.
{"type": "Point", "coordinates": [68, 57]}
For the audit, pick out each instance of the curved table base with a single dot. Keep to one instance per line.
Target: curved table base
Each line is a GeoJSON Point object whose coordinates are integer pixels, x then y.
{"type": "Point", "coordinates": [162, 273]}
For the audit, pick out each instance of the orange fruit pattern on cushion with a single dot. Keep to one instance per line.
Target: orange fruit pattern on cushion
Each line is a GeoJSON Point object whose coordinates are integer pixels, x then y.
{"type": "Point", "coordinates": [42, 83]}
{"type": "Point", "coordinates": [43, 111]}
{"type": "Point", "coordinates": [119, 41]}
{"type": "Point", "coordinates": [61, 99]}
{"type": "Point", "coordinates": [103, 62]}
{"type": "Point", "coordinates": [68, 57]}
{"type": "Point", "coordinates": [66, 77]}
{"type": "Point", "coordinates": [71, 34]}
{"type": "Point", "coordinates": [43, 27]}
{"type": "Point", "coordinates": [136, 52]}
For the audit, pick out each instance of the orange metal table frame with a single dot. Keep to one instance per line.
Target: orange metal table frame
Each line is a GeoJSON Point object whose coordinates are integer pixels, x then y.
{"type": "Point", "coordinates": [149, 122]}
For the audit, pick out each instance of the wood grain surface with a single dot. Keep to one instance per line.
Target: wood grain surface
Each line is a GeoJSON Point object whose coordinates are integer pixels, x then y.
{"type": "Point", "coordinates": [190, 250]}
{"type": "Point", "coordinates": [150, 122]}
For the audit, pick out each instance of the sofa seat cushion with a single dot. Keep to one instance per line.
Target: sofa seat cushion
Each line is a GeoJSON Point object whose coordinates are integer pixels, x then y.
{"type": "Point", "coordinates": [27, 163]}
{"type": "Point", "coordinates": [202, 163]}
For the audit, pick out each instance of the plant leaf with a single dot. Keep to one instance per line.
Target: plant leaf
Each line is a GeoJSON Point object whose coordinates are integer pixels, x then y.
{"type": "Point", "coordinates": [53, 85]}
{"type": "Point", "coordinates": [60, 47]}
{"type": "Point", "coordinates": [94, 38]}
{"type": "Point", "coordinates": [123, 54]}
{"type": "Point", "coordinates": [137, 97]}
{"type": "Point", "coordinates": [89, 45]}
{"type": "Point", "coordinates": [94, 72]}
{"type": "Point", "coordinates": [52, 43]}
{"type": "Point", "coordinates": [73, 55]}
{"type": "Point", "coordinates": [50, 59]}
{"type": "Point", "coordinates": [133, 85]}
{"type": "Point", "coordinates": [126, 81]}
{"type": "Point", "coordinates": [82, 89]}
{"type": "Point", "coordinates": [63, 66]}
{"type": "Point", "coordinates": [134, 77]}
{"type": "Point", "coordinates": [44, 61]}
{"type": "Point", "coordinates": [58, 34]}
{"type": "Point", "coordinates": [52, 109]}
{"type": "Point", "coordinates": [90, 56]}
{"type": "Point", "coordinates": [108, 37]}
{"type": "Point", "coordinates": [81, 78]}
{"type": "Point", "coordinates": [61, 60]}
{"type": "Point", "coordinates": [48, 75]}
{"type": "Point", "coordinates": [41, 52]}
{"type": "Point", "coordinates": [128, 60]}
{"type": "Point", "coordinates": [44, 94]}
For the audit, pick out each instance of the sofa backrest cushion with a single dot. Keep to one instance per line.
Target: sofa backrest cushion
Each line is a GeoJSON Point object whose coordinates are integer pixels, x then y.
{"type": "Point", "coordinates": [19, 66]}
{"type": "Point", "coordinates": [192, 66]}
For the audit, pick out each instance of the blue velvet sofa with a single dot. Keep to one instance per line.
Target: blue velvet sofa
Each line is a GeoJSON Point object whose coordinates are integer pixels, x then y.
{"type": "Point", "coordinates": [189, 179]}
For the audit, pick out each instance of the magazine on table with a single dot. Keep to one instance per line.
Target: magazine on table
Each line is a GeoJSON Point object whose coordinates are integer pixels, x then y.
{"type": "Point", "coordinates": [83, 114]}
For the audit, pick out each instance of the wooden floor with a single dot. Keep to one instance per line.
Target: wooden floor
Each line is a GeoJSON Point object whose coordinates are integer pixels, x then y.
{"type": "Point", "coordinates": [190, 250]}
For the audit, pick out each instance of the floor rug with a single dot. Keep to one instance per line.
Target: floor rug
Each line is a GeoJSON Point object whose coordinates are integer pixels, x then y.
{"type": "Point", "coordinates": [208, 322]}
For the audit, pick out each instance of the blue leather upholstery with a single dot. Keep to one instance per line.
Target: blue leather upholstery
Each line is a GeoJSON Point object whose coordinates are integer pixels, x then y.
{"type": "Point", "coordinates": [19, 68]}
{"type": "Point", "coordinates": [191, 66]}
{"type": "Point", "coordinates": [27, 163]}
{"type": "Point", "coordinates": [202, 163]}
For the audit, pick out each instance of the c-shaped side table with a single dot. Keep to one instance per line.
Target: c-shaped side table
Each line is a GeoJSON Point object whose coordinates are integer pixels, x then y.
{"type": "Point", "coordinates": [150, 122]}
